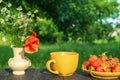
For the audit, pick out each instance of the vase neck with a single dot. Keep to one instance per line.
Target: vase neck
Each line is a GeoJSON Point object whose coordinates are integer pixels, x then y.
{"type": "Point", "coordinates": [18, 52]}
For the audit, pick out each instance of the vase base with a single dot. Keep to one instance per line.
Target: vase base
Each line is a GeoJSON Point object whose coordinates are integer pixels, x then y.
{"type": "Point", "coordinates": [18, 72]}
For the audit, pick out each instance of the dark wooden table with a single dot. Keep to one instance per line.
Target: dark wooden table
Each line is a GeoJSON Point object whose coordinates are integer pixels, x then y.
{"type": "Point", "coordinates": [37, 74]}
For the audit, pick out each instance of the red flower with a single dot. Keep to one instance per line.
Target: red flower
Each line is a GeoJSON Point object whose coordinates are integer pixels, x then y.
{"type": "Point", "coordinates": [31, 44]}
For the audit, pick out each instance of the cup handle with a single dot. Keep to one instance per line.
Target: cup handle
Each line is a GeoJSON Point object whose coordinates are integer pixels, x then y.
{"type": "Point", "coordinates": [49, 68]}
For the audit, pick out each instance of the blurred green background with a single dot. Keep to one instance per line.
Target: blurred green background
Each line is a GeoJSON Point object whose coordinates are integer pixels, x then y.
{"type": "Point", "coordinates": [84, 26]}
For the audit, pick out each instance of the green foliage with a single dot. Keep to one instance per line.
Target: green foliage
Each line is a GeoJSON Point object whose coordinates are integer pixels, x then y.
{"type": "Point", "coordinates": [117, 39]}
{"type": "Point", "coordinates": [14, 22]}
{"type": "Point", "coordinates": [3, 40]}
{"type": "Point", "coordinates": [118, 25]}
{"type": "Point", "coordinates": [75, 18]}
{"type": "Point", "coordinates": [48, 31]}
{"type": "Point", "coordinates": [81, 20]}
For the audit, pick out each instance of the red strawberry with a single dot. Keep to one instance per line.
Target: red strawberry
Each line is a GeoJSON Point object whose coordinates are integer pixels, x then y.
{"type": "Point", "coordinates": [99, 69]}
{"type": "Point", "coordinates": [114, 61]}
{"type": "Point", "coordinates": [106, 64]}
{"type": "Point", "coordinates": [96, 63]}
{"type": "Point", "coordinates": [86, 64]}
{"type": "Point", "coordinates": [116, 68]}
{"type": "Point", "coordinates": [92, 58]}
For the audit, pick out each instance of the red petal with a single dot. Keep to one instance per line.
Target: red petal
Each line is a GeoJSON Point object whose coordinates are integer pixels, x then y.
{"type": "Point", "coordinates": [31, 43]}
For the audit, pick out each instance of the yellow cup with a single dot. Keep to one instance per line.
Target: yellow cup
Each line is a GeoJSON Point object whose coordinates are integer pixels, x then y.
{"type": "Point", "coordinates": [63, 63]}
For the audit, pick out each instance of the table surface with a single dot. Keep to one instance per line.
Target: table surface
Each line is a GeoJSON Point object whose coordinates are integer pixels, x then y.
{"type": "Point", "coordinates": [38, 74]}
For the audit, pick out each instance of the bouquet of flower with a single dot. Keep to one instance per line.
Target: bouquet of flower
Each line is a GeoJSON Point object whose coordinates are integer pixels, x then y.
{"type": "Point", "coordinates": [15, 23]}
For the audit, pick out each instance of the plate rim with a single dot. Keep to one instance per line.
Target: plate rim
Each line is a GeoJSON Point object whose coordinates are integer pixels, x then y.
{"type": "Point", "coordinates": [103, 75]}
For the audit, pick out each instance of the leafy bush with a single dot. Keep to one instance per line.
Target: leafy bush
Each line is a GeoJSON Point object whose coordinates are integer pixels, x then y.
{"type": "Point", "coordinates": [47, 30]}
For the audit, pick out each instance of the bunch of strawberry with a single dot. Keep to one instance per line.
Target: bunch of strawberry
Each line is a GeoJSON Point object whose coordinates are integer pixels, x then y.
{"type": "Point", "coordinates": [103, 63]}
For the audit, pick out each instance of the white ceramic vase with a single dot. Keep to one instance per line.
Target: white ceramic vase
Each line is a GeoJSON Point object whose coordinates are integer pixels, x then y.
{"type": "Point", "coordinates": [19, 63]}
